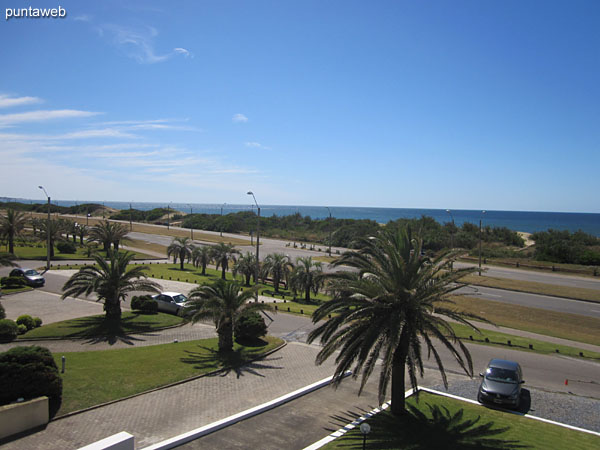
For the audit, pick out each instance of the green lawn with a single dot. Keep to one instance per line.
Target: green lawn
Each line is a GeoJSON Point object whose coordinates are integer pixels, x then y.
{"type": "Point", "coordinates": [92, 378]}
{"type": "Point", "coordinates": [6, 291]}
{"type": "Point", "coordinates": [39, 254]}
{"type": "Point", "coordinates": [93, 326]}
{"type": "Point", "coordinates": [414, 431]}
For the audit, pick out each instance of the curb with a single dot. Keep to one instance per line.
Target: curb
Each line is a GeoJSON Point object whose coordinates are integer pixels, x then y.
{"type": "Point", "coordinates": [214, 372]}
{"type": "Point", "coordinates": [215, 426]}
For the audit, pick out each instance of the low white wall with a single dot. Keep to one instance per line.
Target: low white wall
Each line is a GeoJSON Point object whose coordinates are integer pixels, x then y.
{"type": "Point", "coordinates": [119, 441]}
{"type": "Point", "coordinates": [23, 416]}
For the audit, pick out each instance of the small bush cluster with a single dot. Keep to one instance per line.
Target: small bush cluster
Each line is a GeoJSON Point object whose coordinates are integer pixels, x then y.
{"type": "Point", "coordinates": [30, 372]}
{"type": "Point", "coordinates": [8, 330]}
{"type": "Point", "coordinates": [66, 247]}
{"type": "Point", "coordinates": [249, 327]}
{"type": "Point", "coordinates": [12, 282]}
{"type": "Point", "coordinates": [26, 323]}
{"type": "Point", "coordinates": [144, 303]}
{"type": "Point", "coordinates": [2, 312]}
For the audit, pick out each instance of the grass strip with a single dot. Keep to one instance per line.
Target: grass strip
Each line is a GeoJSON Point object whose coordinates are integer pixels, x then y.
{"type": "Point", "coordinates": [92, 378]}
{"type": "Point", "coordinates": [6, 291]}
{"type": "Point", "coordinates": [416, 432]}
{"type": "Point", "coordinates": [94, 326]}
{"type": "Point", "coordinates": [39, 254]}
{"type": "Point", "coordinates": [573, 327]}
{"type": "Point", "coordinates": [534, 287]}
{"type": "Point", "coordinates": [499, 339]}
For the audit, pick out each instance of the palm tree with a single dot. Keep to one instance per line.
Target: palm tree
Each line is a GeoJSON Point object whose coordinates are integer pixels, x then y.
{"type": "Point", "coordinates": [182, 248]}
{"type": "Point", "coordinates": [6, 259]}
{"type": "Point", "coordinates": [111, 281]}
{"type": "Point", "coordinates": [279, 267]}
{"type": "Point", "coordinates": [82, 232]}
{"type": "Point", "coordinates": [11, 226]}
{"type": "Point", "coordinates": [107, 233]}
{"type": "Point", "coordinates": [201, 256]}
{"type": "Point", "coordinates": [223, 302]}
{"type": "Point", "coordinates": [55, 228]}
{"type": "Point", "coordinates": [307, 277]}
{"type": "Point", "coordinates": [245, 266]}
{"type": "Point", "coordinates": [387, 309]}
{"type": "Point", "coordinates": [221, 254]}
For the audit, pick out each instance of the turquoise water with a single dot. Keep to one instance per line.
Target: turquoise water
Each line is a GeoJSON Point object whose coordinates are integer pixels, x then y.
{"type": "Point", "coordinates": [529, 221]}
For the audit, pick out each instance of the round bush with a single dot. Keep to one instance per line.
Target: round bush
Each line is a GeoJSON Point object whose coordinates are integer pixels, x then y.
{"type": "Point", "coordinates": [27, 321]}
{"type": "Point", "coordinates": [37, 322]}
{"type": "Point", "coordinates": [30, 372]}
{"type": "Point", "coordinates": [8, 330]}
{"type": "Point", "coordinates": [144, 303]}
{"type": "Point", "coordinates": [2, 312]}
{"type": "Point", "coordinates": [250, 326]}
{"type": "Point", "coordinates": [66, 247]}
{"type": "Point", "coordinates": [21, 329]}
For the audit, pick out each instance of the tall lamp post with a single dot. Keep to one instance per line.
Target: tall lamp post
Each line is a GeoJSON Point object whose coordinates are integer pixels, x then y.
{"type": "Point", "coordinates": [47, 231]}
{"type": "Point", "coordinates": [222, 216]}
{"type": "Point", "coordinates": [191, 225]}
{"type": "Point", "coordinates": [451, 235]}
{"type": "Point", "coordinates": [480, 218]}
{"type": "Point", "coordinates": [168, 215]}
{"type": "Point", "coordinates": [329, 230]}
{"type": "Point", "coordinates": [130, 218]}
{"type": "Point", "coordinates": [257, 243]}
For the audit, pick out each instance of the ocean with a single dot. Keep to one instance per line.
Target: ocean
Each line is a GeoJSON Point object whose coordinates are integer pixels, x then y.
{"type": "Point", "coordinates": [528, 221]}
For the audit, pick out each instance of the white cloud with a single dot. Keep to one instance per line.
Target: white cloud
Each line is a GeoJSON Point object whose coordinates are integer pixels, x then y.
{"type": "Point", "coordinates": [103, 133]}
{"type": "Point", "coordinates": [257, 145]}
{"type": "Point", "coordinates": [239, 118]}
{"type": "Point", "coordinates": [7, 101]}
{"type": "Point", "coordinates": [183, 51]}
{"type": "Point", "coordinates": [82, 18]}
{"type": "Point", "coordinates": [42, 115]}
{"type": "Point", "coordinates": [138, 44]}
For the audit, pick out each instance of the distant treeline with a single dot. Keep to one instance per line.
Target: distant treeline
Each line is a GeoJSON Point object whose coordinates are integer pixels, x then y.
{"type": "Point", "coordinates": [84, 208]}
{"type": "Point", "coordinates": [565, 247]}
{"type": "Point", "coordinates": [136, 215]}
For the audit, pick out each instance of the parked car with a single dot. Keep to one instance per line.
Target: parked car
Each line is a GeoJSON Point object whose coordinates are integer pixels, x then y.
{"type": "Point", "coordinates": [170, 302]}
{"type": "Point", "coordinates": [32, 277]}
{"type": "Point", "coordinates": [501, 383]}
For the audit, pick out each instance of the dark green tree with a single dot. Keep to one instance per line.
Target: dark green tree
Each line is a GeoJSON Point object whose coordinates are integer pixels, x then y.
{"type": "Point", "coordinates": [307, 277]}
{"type": "Point", "coordinates": [11, 226]}
{"type": "Point", "coordinates": [279, 267]}
{"type": "Point", "coordinates": [182, 248]}
{"type": "Point", "coordinates": [222, 254]}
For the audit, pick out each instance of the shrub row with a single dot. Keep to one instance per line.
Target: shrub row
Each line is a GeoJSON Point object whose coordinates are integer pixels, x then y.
{"type": "Point", "coordinates": [144, 303]}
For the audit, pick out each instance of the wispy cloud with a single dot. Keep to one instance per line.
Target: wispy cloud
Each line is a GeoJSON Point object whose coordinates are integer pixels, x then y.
{"type": "Point", "coordinates": [82, 18]}
{"type": "Point", "coordinates": [8, 101]}
{"type": "Point", "coordinates": [101, 133]}
{"type": "Point", "coordinates": [257, 145]}
{"type": "Point", "coordinates": [138, 44]}
{"type": "Point", "coordinates": [43, 115]}
{"type": "Point", "coordinates": [239, 118]}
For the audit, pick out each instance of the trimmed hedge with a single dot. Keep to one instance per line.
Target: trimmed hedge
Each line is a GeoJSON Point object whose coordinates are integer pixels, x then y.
{"type": "Point", "coordinates": [12, 282]}
{"type": "Point", "coordinates": [250, 326]}
{"type": "Point", "coordinates": [66, 247]}
{"type": "Point", "coordinates": [8, 330]}
{"type": "Point", "coordinates": [144, 303]}
{"type": "Point", "coordinates": [30, 372]}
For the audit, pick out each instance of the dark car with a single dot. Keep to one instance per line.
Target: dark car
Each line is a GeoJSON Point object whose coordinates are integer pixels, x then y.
{"type": "Point", "coordinates": [501, 383]}
{"type": "Point", "coordinates": [32, 277]}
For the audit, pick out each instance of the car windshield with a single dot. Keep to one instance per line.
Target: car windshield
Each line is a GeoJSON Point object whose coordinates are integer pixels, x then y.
{"type": "Point", "coordinates": [503, 375]}
{"type": "Point", "coordinates": [31, 272]}
{"type": "Point", "coordinates": [180, 298]}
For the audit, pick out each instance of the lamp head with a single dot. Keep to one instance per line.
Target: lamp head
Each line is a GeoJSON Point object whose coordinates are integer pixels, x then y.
{"type": "Point", "coordinates": [250, 193]}
{"type": "Point", "coordinates": [365, 428]}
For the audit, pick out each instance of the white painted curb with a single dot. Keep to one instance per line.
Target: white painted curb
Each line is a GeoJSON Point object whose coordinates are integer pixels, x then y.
{"type": "Point", "coordinates": [207, 429]}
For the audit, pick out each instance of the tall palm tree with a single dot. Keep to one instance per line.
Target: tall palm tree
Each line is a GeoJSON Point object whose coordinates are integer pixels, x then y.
{"type": "Point", "coordinates": [82, 232]}
{"type": "Point", "coordinates": [109, 233]}
{"type": "Point", "coordinates": [201, 256]}
{"type": "Point", "coordinates": [54, 227]}
{"type": "Point", "coordinates": [223, 302]}
{"type": "Point", "coordinates": [111, 280]}
{"type": "Point", "coordinates": [245, 266]}
{"type": "Point", "coordinates": [279, 267]}
{"type": "Point", "coordinates": [307, 277]}
{"type": "Point", "coordinates": [11, 226]}
{"type": "Point", "coordinates": [182, 248]}
{"type": "Point", "coordinates": [386, 310]}
{"type": "Point", "coordinates": [223, 253]}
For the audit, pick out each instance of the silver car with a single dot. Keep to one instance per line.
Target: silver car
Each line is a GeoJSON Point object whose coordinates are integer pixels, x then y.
{"type": "Point", "coordinates": [501, 383]}
{"type": "Point", "coordinates": [32, 277]}
{"type": "Point", "coordinates": [170, 302]}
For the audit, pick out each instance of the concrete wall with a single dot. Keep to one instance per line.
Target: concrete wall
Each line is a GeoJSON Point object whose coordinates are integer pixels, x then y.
{"type": "Point", "coordinates": [23, 416]}
{"type": "Point", "coordinates": [119, 441]}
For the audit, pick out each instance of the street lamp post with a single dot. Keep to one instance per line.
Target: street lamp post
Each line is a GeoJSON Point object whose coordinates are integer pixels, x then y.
{"type": "Point", "coordinates": [130, 218]}
{"type": "Point", "coordinates": [451, 235]}
{"type": "Point", "coordinates": [168, 215]}
{"type": "Point", "coordinates": [222, 219]}
{"type": "Point", "coordinates": [365, 429]}
{"type": "Point", "coordinates": [480, 218]}
{"type": "Point", "coordinates": [47, 231]}
{"type": "Point", "coordinates": [191, 224]}
{"type": "Point", "coordinates": [329, 230]}
{"type": "Point", "coordinates": [257, 243]}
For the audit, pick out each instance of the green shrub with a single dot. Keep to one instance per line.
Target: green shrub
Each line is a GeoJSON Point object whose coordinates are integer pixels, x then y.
{"type": "Point", "coordinates": [21, 329]}
{"type": "Point", "coordinates": [8, 330]}
{"type": "Point", "coordinates": [250, 326]}
{"type": "Point", "coordinates": [30, 372]}
{"type": "Point", "coordinates": [66, 247]}
{"type": "Point", "coordinates": [144, 303]}
{"type": "Point", "coordinates": [27, 321]}
{"type": "Point", "coordinates": [12, 282]}
{"type": "Point", "coordinates": [37, 322]}
{"type": "Point", "coordinates": [2, 312]}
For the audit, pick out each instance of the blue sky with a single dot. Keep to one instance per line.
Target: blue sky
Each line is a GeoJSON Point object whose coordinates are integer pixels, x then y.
{"type": "Point", "coordinates": [438, 104]}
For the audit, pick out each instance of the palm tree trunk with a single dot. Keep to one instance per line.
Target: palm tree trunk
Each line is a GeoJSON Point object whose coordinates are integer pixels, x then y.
{"type": "Point", "coordinates": [181, 262]}
{"type": "Point", "coordinates": [248, 280]}
{"type": "Point", "coordinates": [223, 271]}
{"type": "Point", "coordinates": [11, 244]}
{"type": "Point", "coordinates": [225, 333]}
{"type": "Point", "coordinates": [276, 283]}
{"type": "Point", "coordinates": [113, 310]}
{"type": "Point", "coordinates": [116, 244]}
{"type": "Point", "coordinates": [398, 378]}
{"type": "Point", "coordinates": [203, 269]}
{"type": "Point", "coordinates": [307, 294]}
